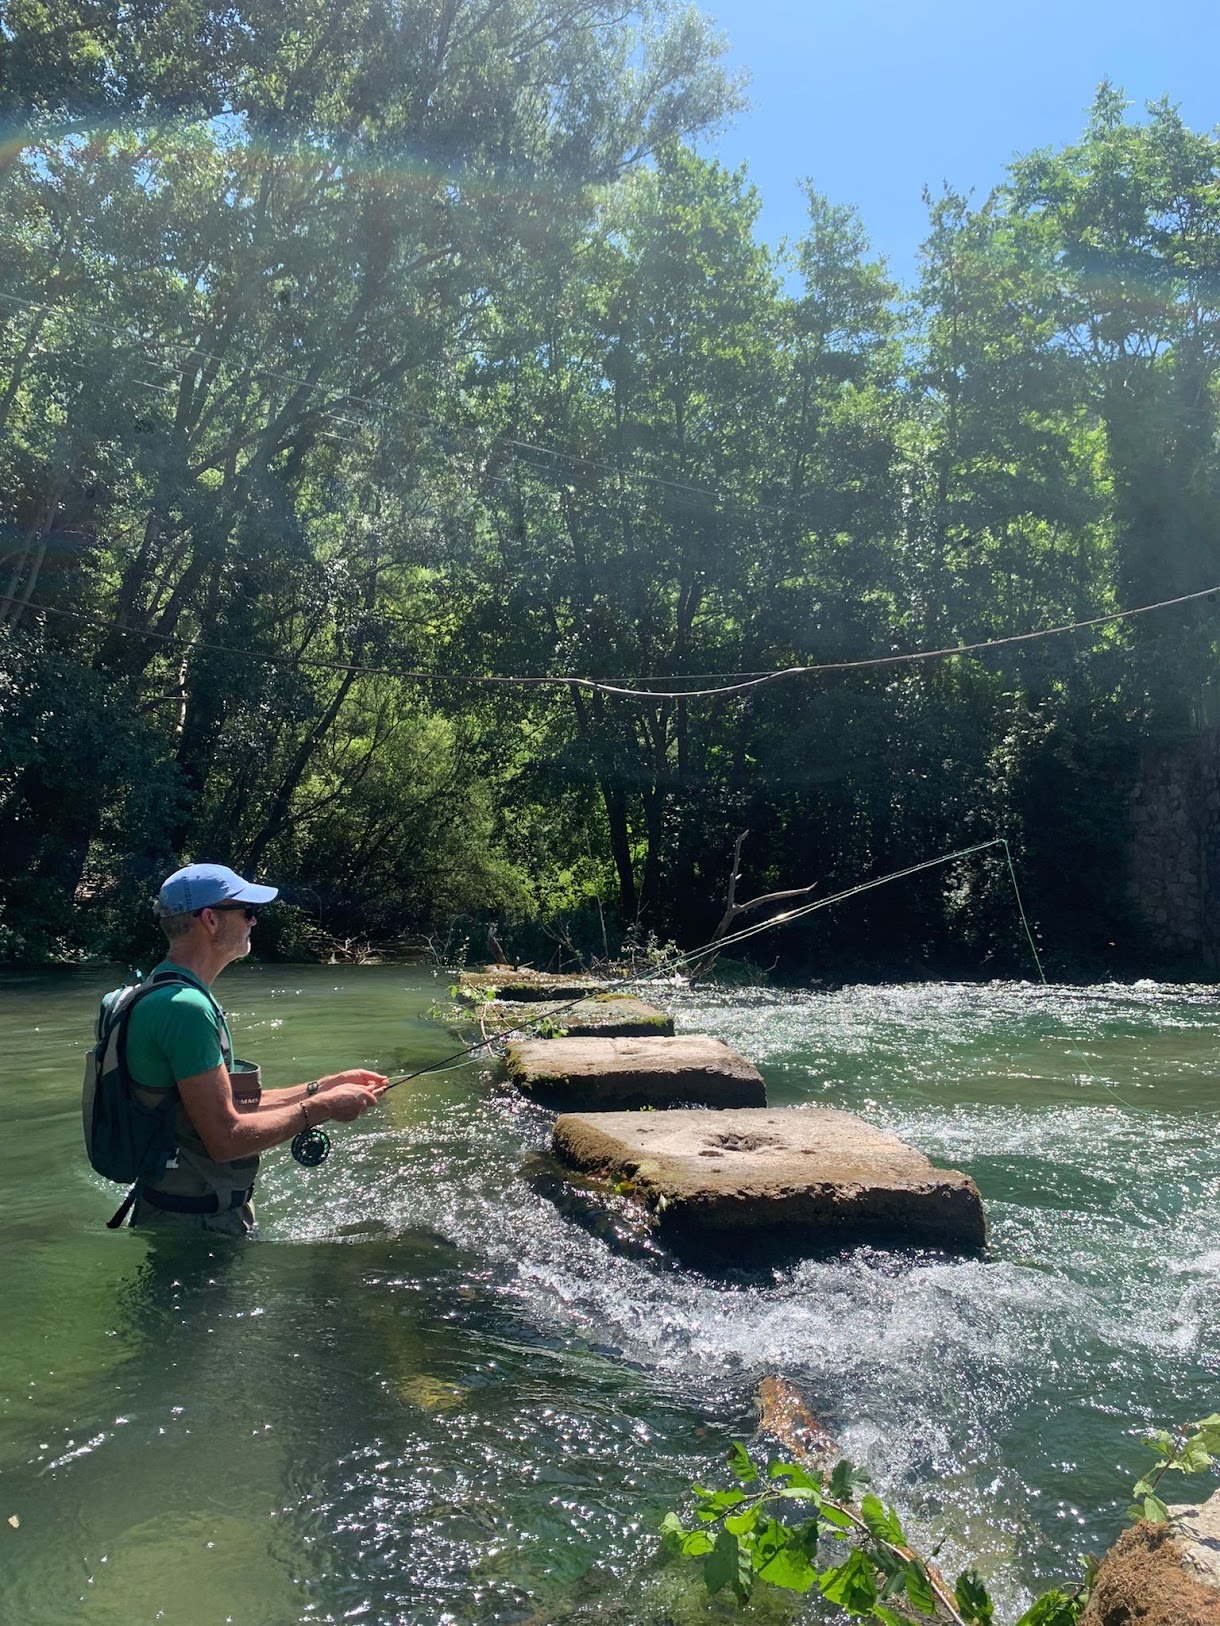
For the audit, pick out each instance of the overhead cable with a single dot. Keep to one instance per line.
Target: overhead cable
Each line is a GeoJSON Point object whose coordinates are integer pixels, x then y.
{"type": "Point", "coordinates": [604, 686]}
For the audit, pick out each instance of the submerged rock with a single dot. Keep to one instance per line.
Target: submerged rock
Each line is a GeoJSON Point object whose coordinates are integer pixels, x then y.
{"type": "Point", "coordinates": [784, 1416]}
{"type": "Point", "coordinates": [606, 1074]}
{"type": "Point", "coordinates": [789, 1179]}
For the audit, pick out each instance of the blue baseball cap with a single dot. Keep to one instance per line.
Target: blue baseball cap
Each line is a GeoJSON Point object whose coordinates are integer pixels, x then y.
{"type": "Point", "coordinates": [202, 886]}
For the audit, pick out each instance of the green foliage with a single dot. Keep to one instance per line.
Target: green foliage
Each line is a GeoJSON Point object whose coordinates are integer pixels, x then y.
{"type": "Point", "coordinates": [1189, 1450]}
{"type": "Point", "coordinates": [546, 1027]}
{"type": "Point", "coordinates": [410, 363]}
{"type": "Point", "coordinates": [753, 1543]}
{"type": "Point", "coordinates": [476, 995]}
{"type": "Point", "coordinates": [771, 1528]}
{"type": "Point", "coordinates": [220, 347]}
{"type": "Point", "coordinates": [970, 1596]}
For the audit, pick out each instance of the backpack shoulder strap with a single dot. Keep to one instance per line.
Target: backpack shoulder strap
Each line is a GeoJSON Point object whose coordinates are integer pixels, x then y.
{"type": "Point", "coordinates": [117, 1026]}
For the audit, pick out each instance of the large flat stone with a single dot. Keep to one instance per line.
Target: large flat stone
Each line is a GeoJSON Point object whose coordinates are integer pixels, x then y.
{"type": "Point", "coordinates": [1196, 1530]}
{"type": "Point", "coordinates": [602, 1016]}
{"type": "Point", "coordinates": [788, 1178]}
{"type": "Point", "coordinates": [601, 1075]}
{"type": "Point", "coordinates": [505, 983]}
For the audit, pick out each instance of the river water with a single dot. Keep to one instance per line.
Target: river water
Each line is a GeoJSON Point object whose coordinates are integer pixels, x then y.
{"type": "Point", "coordinates": [427, 1394]}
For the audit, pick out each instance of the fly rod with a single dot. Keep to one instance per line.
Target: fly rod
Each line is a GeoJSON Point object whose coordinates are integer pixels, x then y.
{"type": "Point", "coordinates": [312, 1146]}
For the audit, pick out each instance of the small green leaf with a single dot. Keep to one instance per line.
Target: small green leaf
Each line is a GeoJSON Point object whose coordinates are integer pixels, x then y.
{"type": "Point", "coordinates": [720, 1565]}
{"type": "Point", "coordinates": [727, 1565]}
{"type": "Point", "coordinates": [919, 1588]}
{"type": "Point", "coordinates": [845, 1481]}
{"type": "Point", "coordinates": [770, 1538]}
{"type": "Point", "coordinates": [796, 1477]}
{"type": "Point", "coordinates": [836, 1516]}
{"type": "Point", "coordinates": [741, 1463]}
{"type": "Point", "coordinates": [715, 1503]}
{"type": "Point", "coordinates": [790, 1568]}
{"type": "Point", "coordinates": [850, 1584]}
{"type": "Point", "coordinates": [1193, 1458]}
{"type": "Point", "coordinates": [1054, 1608]}
{"type": "Point", "coordinates": [740, 1524]}
{"type": "Point", "coordinates": [744, 1583]}
{"type": "Point", "coordinates": [973, 1602]}
{"type": "Point", "coordinates": [1155, 1510]}
{"type": "Point", "coordinates": [672, 1531]}
{"type": "Point", "coordinates": [880, 1521]}
{"type": "Point", "coordinates": [695, 1543]}
{"type": "Point", "coordinates": [807, 1536]}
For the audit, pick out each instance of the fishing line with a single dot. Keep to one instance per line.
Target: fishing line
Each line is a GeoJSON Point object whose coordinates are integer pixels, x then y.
{"type": "Point", "coordinates": [1106, 1083]}
{"type": "Point", "coordinates": [312, 1146]}
{"type": "Point", "coordinates": [914, 869]}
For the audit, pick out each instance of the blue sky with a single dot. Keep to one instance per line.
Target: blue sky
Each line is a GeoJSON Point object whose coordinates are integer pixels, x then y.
{"type": "Point", "coordinates": [873, 99]}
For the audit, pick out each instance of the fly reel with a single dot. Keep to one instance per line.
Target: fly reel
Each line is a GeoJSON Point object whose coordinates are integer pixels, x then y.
{"type": "Point", "coordinates": [311, 1147]}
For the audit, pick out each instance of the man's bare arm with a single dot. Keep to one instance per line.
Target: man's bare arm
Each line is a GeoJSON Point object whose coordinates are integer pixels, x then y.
{"type": "Point", "coordinates": [294, 1094]}
{"type": "Point", "coordinates": [228, 1133]}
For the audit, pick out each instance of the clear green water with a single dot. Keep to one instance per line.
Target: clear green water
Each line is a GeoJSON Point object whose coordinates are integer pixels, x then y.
{"type": "Point", "coordinates": [428, 1395]}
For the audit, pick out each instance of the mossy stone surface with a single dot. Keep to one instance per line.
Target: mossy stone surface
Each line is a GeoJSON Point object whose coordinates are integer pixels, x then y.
{"type": "Point", "coordinates": [617, 1016]}
{"type": "Point", "coordinates": [606, 1075]}
{"type": "Point", "coordinates": [504, 983]}
{"type": "Point", "coordinates": [796, 1178]}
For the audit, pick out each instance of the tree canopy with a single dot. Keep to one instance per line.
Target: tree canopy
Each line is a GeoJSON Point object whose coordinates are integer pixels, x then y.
{"type": "Point", "coordinates": [352, 352]}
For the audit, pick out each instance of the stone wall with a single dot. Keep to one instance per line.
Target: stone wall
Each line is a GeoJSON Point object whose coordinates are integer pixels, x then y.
{"type": "Point", "coordinates": [1173, 857]}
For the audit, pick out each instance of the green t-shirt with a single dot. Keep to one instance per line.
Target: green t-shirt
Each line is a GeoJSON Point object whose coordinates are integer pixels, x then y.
{"type": "Point", "coordinates": [175, 1033]}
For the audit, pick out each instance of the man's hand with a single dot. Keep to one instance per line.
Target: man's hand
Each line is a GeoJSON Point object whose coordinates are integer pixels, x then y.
{"type": "Point", "coordinates": [354, 1075]}
{"type": "Point", "coordinates": [347, 1101]}
{"type": "Point", "coordinates": [345, 1096]}
{"type": "Point", "coordinates": [228, 1132]}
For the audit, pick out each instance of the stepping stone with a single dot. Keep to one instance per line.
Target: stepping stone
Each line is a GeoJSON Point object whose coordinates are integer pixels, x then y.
{"type": "Point", "coordinates": [508, 984]}
{"type": "Point", "coordinates": [731, 1183]}
{"type": "Point", "coordinates": [600, 1075]}
{"type": "Point", "coordinates": [604, 1016]}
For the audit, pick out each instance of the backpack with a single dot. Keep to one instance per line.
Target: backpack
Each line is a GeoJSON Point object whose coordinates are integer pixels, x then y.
{"type": "Point", "coordinates": [124, 1140]}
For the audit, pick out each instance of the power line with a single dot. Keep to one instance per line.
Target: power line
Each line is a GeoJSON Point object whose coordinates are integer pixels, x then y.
{"type": "Point", "coordinates": [606, 686]}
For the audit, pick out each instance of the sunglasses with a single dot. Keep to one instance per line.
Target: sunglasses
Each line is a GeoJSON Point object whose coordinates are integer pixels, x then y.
{"type": "Point", "coordinates": [227, 909]}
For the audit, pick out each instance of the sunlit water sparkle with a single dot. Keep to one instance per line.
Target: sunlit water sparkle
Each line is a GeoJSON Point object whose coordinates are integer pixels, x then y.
{"type": "Point", "coordinates": [429, 1394]}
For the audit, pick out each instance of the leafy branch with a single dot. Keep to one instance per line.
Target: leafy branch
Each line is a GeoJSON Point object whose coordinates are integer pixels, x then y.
{"type": "Point", "coordinates": [741, 1540]}
{"type": "Point", "coordinates": [1188, 1450]}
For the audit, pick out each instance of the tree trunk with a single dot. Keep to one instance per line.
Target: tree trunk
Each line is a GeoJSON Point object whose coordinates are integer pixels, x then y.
{"type": "Point", "coordinates": [614, 796]}
{"type": "Point", "coordinates": [279, 817]}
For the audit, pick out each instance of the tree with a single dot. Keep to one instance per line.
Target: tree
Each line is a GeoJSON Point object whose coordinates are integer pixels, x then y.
{"type": "Point", "coordinates": [257, 279]}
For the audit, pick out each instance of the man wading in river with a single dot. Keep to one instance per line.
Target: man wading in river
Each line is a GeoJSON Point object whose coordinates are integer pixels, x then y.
{"type": "Point", "coordinates": [178, 1039]}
